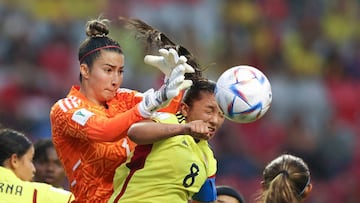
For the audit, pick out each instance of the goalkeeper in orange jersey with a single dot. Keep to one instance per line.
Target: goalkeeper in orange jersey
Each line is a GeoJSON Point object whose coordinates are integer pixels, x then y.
{"type": "Point", "coordinates": [17, 170]}
{"type": "Point", "coordinates": [89, 126]}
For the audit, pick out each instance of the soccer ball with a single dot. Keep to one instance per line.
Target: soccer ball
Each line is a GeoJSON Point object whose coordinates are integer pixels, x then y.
{"type": "Point", "coordinates": [243, 94]}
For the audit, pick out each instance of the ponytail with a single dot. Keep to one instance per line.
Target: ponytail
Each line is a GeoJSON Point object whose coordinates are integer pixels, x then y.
{"type": "Point", "coordinates": [285, 179]}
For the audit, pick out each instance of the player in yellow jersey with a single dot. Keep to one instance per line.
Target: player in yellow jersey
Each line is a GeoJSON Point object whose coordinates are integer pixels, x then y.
{"type": "Point", "coordinates": [17, 170]}
{"type": "Point", "coordinates": [89, 126]}
{"type": "Point", "coordinates": [181, 167]}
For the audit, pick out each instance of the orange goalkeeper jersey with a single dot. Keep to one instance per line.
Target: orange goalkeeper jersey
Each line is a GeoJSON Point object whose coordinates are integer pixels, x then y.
{"type": "Point", "coordinates": [91, 140]}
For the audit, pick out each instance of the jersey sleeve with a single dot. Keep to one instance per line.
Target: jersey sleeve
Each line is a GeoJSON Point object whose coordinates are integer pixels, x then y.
{"type": "Point", "coordinates": [174, 104]}
{"type": "Point", "coordinates": [79, 121]}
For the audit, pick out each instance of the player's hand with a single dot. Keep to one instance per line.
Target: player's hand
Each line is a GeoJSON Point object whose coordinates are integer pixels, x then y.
{"type": "Point", "coordinates": [149, 103]}
{"type": "Point", "coordinates": [198, 129]}
{"type": "Point", "coordinates": [154, 100]}
{"type": "Point", "coordinates": [167, 61]}
{"type": "Point", "coordinates": [176, 81]}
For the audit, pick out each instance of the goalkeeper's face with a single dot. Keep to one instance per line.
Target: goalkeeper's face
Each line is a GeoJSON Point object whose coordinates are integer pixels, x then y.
{"type": "Point", "coordinates": [104, 77]}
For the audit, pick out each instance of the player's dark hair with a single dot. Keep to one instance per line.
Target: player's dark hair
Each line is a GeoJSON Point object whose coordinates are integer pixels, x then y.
{"type": "Point", "coordinates": [198, 87]}
{"type": "Point", "coordinates": [195, 93]}
{"type": "Point", "coordinates": [229, 191]}
{"type": "Point", "coordinates": [41, 147]}
{"type": "Point", "coordinates": [97, 40]}
{"type": "Point", "coordinates": [285, 179]}
{"type": "Point", "coordinates": [155, 40]}
{"type": "Point", "coordinates": [12, 142]}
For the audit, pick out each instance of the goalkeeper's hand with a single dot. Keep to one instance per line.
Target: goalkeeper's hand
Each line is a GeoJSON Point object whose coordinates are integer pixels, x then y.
{"type": "Point", "coordinates": [167, 61]}
{"type": "Point", "coordinates": [154, 100]}
{"type": "Point", "coordinates": [176, 81]}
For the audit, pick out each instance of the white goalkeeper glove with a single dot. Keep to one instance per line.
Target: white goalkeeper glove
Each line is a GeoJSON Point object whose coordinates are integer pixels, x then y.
{"type": "Point", "coordinates": [154, 100]}
{"type": "Point", "coordinates": [168, 60]}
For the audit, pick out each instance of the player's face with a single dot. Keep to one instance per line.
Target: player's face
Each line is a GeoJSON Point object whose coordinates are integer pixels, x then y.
{"type": "Point", "coordinates": [24, 167]}
{"type": "Point", "coordinates": [50, 170]}
{"type": "Point", "coordinates": [206, 109]}
{"type": "Point", "coordinates": [105, 77]}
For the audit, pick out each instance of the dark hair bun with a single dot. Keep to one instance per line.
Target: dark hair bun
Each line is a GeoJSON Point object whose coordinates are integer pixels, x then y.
{"type": "Point", "coordinates": [97, 28]}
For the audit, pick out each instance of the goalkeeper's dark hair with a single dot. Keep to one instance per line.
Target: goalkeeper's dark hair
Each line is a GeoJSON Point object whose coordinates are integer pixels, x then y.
{"type": "Point", "coordinates": [97, 40]}
{"type": "Point", "coordinates": [285, 179]}
{"type": "Point", "coordinates": [154, 40]}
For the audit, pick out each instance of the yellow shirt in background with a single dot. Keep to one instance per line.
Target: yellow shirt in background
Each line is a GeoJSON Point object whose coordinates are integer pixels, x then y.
{"type": "Point", "coordinates": [14, 190]}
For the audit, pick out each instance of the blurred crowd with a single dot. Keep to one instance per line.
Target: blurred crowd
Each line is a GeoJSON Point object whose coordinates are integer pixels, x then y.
{"type": "Point", "coordinates": [309, 49]}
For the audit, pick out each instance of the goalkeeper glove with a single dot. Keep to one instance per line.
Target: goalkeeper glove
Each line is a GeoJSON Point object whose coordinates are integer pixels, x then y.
{"type": "Point", "coordinates": [168, 60]}
{"type": "Point", "coordinates": [154, 100]}
{"type": "Point", "coordinates": [176, 81]}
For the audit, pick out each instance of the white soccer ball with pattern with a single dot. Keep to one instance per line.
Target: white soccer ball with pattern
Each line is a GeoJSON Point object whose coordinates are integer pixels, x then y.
{"type": "Point", "coordinates": [243, 94]}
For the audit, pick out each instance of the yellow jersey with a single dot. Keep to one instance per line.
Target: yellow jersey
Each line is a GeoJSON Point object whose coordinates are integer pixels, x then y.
{"type": "Point", "coordinates": [170, 170]}
{"type": "Point", "coordinates": [15, 190]}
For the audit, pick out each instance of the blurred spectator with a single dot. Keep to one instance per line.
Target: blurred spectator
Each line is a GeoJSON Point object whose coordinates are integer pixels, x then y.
{"type": "Point", "coordinates": [229, 145]}
{"type": "Point", "coordinates": [336, 149]}
{"type": "Point", "coordinates": [56, 59]}
{"type": "Point", "coordinates": [228, 194]}
{"type": "Point", "coordinates": [48, 166]}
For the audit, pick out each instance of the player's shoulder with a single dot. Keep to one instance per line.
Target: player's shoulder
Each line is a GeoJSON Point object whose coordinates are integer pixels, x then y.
{"type": "Point", "coordinates": [164, 117]}
{"type": "Point", "coordinates": [123, 90]}
{"type": "Point", "coordinates": [50, 192]}
{"type": "Point", "coordinates": [68, 103]}
{"type": "Point", "coordinates": [124, 94]}
{"type": "Point", "coordinates": [46, 186]}
{"type": "Point", "coordinates": [39, 185]}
